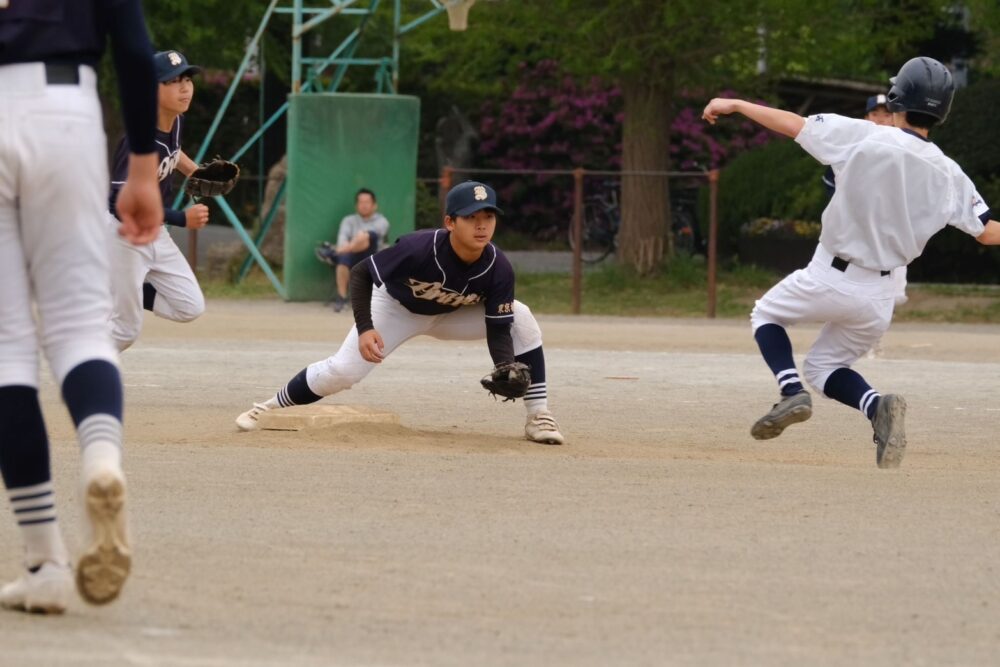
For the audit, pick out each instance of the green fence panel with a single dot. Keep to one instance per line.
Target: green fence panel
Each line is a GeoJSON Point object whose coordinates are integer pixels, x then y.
{"type": "Point", "coordinates": [338, 143]}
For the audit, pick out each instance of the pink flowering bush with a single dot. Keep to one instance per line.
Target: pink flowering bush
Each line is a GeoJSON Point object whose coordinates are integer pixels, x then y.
{"type": "Point", "coordinates": [554, 121]}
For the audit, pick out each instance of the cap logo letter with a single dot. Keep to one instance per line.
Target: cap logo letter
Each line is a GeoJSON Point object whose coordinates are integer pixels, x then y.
{"type": "Point", "coordinates": [174, 59]}
{"type": "Point", "coordinates": [479, 192]}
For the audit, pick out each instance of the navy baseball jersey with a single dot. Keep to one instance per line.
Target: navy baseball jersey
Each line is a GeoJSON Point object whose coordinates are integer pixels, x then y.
{"type": "Point", "coordinates": [168, 148]}
{"type": "Point", "coordinates": [425, 275]}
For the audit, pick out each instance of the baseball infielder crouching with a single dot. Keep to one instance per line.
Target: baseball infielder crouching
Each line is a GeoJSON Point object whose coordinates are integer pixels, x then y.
{"type": "Point", "coordinates": [895, 189]}
{"type": "Point", "coordinates": [451, 284]}
{"type": "Point", "coordinates": [157, 277]}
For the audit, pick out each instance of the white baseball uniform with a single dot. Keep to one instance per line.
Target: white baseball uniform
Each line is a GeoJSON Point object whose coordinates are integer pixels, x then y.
{"type": "Point", "coordinates": [850, 284]}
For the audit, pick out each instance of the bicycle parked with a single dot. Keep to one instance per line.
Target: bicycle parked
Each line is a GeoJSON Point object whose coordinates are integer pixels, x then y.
{"type": "Point", "coordinates": [602, 219]}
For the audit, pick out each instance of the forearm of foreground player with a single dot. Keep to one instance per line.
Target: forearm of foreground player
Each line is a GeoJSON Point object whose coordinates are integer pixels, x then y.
{"type": "Point", "coordinates": [361, 286]}
{"type": "Point", "coordinates": [776, 120]}
{"type": "Point", "coordinates": [991, 233]}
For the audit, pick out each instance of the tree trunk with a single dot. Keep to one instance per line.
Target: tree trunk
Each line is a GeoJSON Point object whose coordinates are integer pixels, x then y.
{"type": "Point", "coordinates": [644, 237]}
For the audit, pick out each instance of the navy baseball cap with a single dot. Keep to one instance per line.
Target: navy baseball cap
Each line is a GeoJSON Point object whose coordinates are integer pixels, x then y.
{"type": "Point", "coordinates": [467, 198]}
{"type": "Point", "coordinates": [172, 64]}
{"type": "Point", "coordinates": [876, 101]}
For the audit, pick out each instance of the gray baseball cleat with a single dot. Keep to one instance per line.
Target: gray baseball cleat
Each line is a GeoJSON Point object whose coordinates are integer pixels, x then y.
{"type": "Point", "coordinates": [890, 435]}
{"type": "Point", "coordinates": [789, 410]}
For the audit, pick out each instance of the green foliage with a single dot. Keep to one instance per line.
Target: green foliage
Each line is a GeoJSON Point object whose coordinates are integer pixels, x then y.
{"type": "Point", "coordinates": [779, 180]}
{"type": "Point", "coordinates": [428, 213]}
{"type": "Point", "coordinates": [967, 137]}
{"type": "Point", "coordinates": [678, 290]}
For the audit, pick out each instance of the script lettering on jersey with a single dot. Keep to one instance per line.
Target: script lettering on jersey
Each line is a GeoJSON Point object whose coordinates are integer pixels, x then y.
{"type": "Point", "coordinates": [434, 292]}
{"type": "Point", "coordinates": [168, 164]}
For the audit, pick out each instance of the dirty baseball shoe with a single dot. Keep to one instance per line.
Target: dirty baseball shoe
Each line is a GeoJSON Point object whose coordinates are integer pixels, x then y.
{"type": "Point", "coordinates": [789, 410]}
{"type": "Point", "coordinates": [542, 427]}
{"type": "Point", "coordinates": [248, 421]}
{"type": "Point", "coordinates": [42, 590]}
{"type": "Point", "coordinates": [105, 564]}
{"type": "Point", "coordinates": [890, 435]}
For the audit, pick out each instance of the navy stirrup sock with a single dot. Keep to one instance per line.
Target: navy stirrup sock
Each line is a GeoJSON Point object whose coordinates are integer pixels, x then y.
{"type": "Point", "coordinates": [776, 348]}
{"type": "Point", "coordinates": [848, 387]}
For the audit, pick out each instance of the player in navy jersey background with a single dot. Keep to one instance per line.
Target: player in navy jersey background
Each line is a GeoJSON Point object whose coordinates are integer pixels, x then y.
{"type": "Point", "coordinates": [157, 277]}
{"type": "Point", "coordinates": [450, 283]}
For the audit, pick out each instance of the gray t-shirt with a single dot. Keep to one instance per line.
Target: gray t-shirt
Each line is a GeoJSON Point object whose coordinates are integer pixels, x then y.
{"type": "Point", "coordinates": [354, 223]}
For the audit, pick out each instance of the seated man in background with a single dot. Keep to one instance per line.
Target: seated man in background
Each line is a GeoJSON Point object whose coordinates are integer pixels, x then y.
{"type": "Point", "coordinates": [361, 235]}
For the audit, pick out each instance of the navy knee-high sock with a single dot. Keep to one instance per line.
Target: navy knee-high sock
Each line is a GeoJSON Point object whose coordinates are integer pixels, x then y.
{"type": "Point", "coordinates": [24, 464]}
{"type": "Point", "coordinates": [848, 387]}
{"type": "Point", "coordinates": [148, 296]}
{"type": "Point", "coordinates": [24, 445]}
{"type": "Point", "coordinates": [776, 348]}
{"type": "Point", "coordinates": [297, 392]}
{"type": "Point", "coordinates": [536, 400]}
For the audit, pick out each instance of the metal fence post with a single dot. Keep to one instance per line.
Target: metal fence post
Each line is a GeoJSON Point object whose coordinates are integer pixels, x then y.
{"type": "Point", "coordinates": [578, 235]}
{"type": "Point", "coordinates": [713, 232]}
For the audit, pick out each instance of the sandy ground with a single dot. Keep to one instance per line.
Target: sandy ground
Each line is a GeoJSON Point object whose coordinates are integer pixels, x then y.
{"type": "Point", "coordinates": [661, 533]}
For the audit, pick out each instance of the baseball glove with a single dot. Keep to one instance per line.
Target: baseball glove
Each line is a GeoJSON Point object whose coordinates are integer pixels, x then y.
{"type": "Point", "coordinates": [509, 380]}
{"type": "Point", "coordinates": [212, 178]}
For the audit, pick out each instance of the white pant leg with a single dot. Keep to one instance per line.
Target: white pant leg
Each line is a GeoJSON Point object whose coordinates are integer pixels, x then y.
{"type": "Point", "coordinates": [347, 367]}
{"type": "Point", "coordinates": [839, 345]}
{"type": "Point", "coordinates": [469, 323]}
{"type": "Point", "coordinates": [59, 147]}
{"type": "Point", "coordinates": [130, 263]}
{"type": "Point", "coordinates": [178, 295]}
{"type": "Point", "coordinates": [18, 337]}
{"type": "Point", "coordinates": [855, 315]}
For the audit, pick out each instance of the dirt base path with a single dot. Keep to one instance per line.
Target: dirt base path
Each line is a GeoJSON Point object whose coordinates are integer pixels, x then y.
{"type": "Point", "coordinates": [661, 533]}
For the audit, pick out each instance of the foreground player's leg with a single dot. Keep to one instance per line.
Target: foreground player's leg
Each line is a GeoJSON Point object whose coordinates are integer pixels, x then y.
{"type": "Point", "coordinates": [795, 404]}
{"type": "Point", "coordinates": [540, 425]}
{"type": "Point", "coordinates": [886, 413]}
{"type": "Point", "coordinates": [93, 394]}
{"type": "Point", "coordinates": [47, 584]}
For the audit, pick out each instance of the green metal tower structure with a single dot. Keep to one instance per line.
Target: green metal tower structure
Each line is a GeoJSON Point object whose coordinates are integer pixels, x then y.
{"type": "Point", "coordinates": [308, 75]}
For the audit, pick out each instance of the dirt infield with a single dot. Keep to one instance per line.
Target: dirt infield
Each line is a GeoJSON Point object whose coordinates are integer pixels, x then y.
{"type": "Point", "coordinates": [661, 533]}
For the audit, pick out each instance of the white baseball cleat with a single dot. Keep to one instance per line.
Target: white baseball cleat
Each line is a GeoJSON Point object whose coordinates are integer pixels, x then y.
{"type": "Point", "coordinates": [248, 420]}
{"type": "Point", "coordinates": [542, 427]}
{"type": "Point", "coordinates": [105, 564]}
{"type": "Point", "coordinates": [47, 590]}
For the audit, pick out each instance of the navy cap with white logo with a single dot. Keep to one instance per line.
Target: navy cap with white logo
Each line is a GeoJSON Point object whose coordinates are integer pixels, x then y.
{"type": "Point", "coordinates": [172, 64]}
{"type": "Point", "coordinates": [468, 197]}
{"type": "Point", "coordinates": [876, 101]}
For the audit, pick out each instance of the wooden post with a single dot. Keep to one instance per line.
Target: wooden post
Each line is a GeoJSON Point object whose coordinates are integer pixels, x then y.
{"type": "Point", "coordinates": [577, 282]}
{"type": "Point", "coordinates": [713, 232]}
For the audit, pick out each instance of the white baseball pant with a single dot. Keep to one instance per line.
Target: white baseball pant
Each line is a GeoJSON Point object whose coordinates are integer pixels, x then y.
{"type": "Point", "coordinates": [53, 234]}
{"type": "Point", "coordinates": [856, 306]}
{"type": "Point", "coordinates": [396, 325]}
{"type": "Point", "coordinates": [161, 263]}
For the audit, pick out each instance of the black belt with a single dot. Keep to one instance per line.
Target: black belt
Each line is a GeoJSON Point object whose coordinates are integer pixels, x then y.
{"type": "Point", "coordinates": [62, 74]}
{"type": "Point", "coordinates": [842, 264]}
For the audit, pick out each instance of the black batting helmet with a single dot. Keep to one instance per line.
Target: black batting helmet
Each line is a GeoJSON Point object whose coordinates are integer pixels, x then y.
{"type": "Point", "coordinates": [923, 85]}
